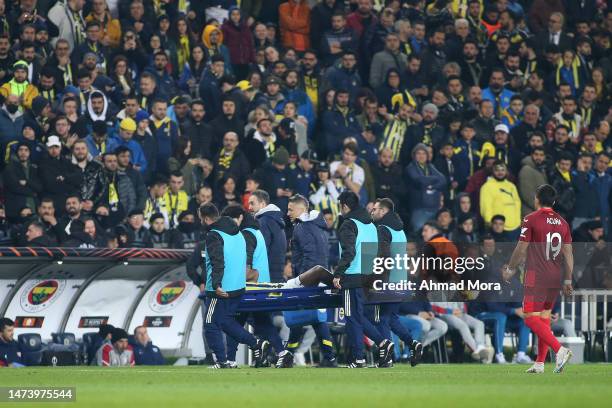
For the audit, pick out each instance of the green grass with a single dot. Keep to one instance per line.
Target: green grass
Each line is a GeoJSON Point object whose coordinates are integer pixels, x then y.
{"type": "Point", "coordinates": [466, 385]}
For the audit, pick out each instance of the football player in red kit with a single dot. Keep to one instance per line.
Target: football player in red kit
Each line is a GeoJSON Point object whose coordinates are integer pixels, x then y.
{"type": "Point", "coordinates": [546, 242]}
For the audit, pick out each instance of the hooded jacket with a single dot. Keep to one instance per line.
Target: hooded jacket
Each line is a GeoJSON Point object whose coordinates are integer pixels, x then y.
{"type": "Point", "coordinates": [347, 235]}
{"type": "Point", "coordinates": [309, 245]}
{"type": "Point", "coordinates": [239, 40]}
{"type": "Point", "coordinates": [218, 49]}
{"type": "Point", "coordinates": [272, 226]}
{"type": "Point", "coordinates": [215, 252]}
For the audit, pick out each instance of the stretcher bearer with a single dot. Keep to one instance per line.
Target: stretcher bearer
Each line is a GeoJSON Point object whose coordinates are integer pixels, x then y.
{"type": "Point", "coordinates": [226, 276]}
{"type": "Point", "coordinates": [391, 242]}
{"type": "Point", "coordinates": [357, 229]}
{"type": "Point", "coordinates": [258, 264]}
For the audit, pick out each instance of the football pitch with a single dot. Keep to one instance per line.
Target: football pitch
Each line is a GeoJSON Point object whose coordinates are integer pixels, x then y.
{"type": "Point", "coordinates": [467, 385]}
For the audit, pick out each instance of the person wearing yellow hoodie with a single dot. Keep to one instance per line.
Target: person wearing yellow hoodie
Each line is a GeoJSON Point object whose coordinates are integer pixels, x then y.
{"type": "Point", "coordinates": [212, 37]}
{"type": "Point", "coordinates": [498, 195]}
{"type": "Point", "coordinates": [111, 28]}
{"type": "Point", "coordinates": [20, 86]}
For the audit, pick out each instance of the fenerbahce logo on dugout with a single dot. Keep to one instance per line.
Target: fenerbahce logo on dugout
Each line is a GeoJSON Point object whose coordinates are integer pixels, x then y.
{"type": "Point", "coordinates": [400, 265]}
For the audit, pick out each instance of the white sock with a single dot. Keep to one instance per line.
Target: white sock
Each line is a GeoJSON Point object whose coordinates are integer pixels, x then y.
{"type": "Point", "coordinates": [520, 354]}
{"type": "Point", "coordinates": [293, 283]}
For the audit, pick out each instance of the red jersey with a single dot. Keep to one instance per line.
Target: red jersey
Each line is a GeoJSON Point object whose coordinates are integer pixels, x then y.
{"type": "Point", "coordinates": [547, 232]}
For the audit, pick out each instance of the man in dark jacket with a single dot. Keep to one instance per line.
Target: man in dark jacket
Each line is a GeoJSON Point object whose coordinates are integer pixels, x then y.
{"type": "Point", "coordinates": [58, 175]}
{"type": "Point", "coordinates": [388, 178]}
{"type": "Point", "coordinates": [93, 181]}
{"type": "Point", "coordinates": [336, 39]}
{"type": "Point", "coordinates": [36, 237]}
{"type": "Point", "coordinates": [276, 179]}
{"type": "Point", "coordinates": [428, 132]}
{"type": "Point", "coordinates": [199, 133]}
{"type": "Point", "coordinates": [231, 160]}
{"type": "Point", "coordinates": [21, 183]}
{"type": "Point", "coordinates": [309, 248]}
{"type": "Point", "coordinates": [272, 227]}
{"type": "Point", "coordinates": [210, 90]}
{"type": "Point", "coordinates": [339, 123]}
{"type": "Point", "coordinates": [355, 229]}
{"type": "Point", "coordinates": [561, 179]}
{"type": "Point", "coordinates": [145, 353]}
{"type": "Point", "coordinates": [344, 75]}
{"type": "Point", "coordinates": [586, 207]}
{"type": "Point", "coordinates": [10, 352]}
{"type": "Point", "coordinates": [227, 121]}
{"type": "Point", "coordinates": [124, 158]}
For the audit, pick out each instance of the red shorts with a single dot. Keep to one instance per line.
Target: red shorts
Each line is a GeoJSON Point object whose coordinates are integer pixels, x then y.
{"type": "Point", "coordinates": [539, 299]}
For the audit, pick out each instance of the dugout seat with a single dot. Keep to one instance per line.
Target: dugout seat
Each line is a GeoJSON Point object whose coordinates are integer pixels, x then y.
{"type": "Point", "coordinates": [66, 339]}
{"type": "Point", "coordinates": [31, 346]}
{"type": "Point", "coordinates": [90, 342]}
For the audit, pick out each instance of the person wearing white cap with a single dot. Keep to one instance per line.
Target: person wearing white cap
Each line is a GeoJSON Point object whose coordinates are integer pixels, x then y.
{"type": "Point", "coordinates": [501, 148]}
{"type": "Point", "coordinates": [60, 178]}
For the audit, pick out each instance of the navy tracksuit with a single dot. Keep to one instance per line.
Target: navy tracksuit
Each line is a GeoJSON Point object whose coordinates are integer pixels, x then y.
{"type": "Point", "coordinates": [309, 247]}
{"type": "Point", "coordinates": [391, 242]}
{"type": "Point", "coordinates": [226, 262]}
{"type": "Point", "coordinates": [147, 355]}
{"type": "Point", "coordinates": [356, 229]}
{"type": "Point", "coordinates": [261, 321]}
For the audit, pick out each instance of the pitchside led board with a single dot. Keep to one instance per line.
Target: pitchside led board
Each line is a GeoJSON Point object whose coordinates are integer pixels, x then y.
{"type": "Point", "coordinates": [52, 290]}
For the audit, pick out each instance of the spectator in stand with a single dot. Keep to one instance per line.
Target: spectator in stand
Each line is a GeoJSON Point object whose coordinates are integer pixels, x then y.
{"type": "Point", "coordinates": [425, 187]}
{"type": "Point", "coordinates": [36, 237]}
{"type": "Point", "coordinates": [231, 160]}
{"type": "Point", "coordinates": [586, 207]}
{"type": "Point", "coordinates": [160, 236]}
{"type": "Point", "coordinates": [93, 182]}
{"type": "Point", "coordinates": [500, 196]}
{"type": "Point", "coordinates": [58, 175]}
{"type": "Point", "coordinates": [137, 235]}
{"type": "Point", "coordinates": [145, 353]}
{"type": "Point", "coordinates": [294, 18]}
{"type": "Point", "coordinates": [532, 175]}
{"type": "Point", "coordinates": [560, 177]}
{"type": "Point", "coordinates": [21, 183]}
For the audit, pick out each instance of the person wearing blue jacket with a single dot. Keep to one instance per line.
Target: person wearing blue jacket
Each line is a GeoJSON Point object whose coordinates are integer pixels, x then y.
{"type": "Point", "coordinates": [603, 184]}
{"type": "Point", "coordinates": [426, 186]}
{"type": "Point", "coordinates": [344, 75]}
{"type": "Point", "coordinates": [145, 353]}
{"type": "Point", "coordinates": [165, 133]}
{"type": "Point", "coordinates": [272, 227]}
{"type": "Point", "coordinates": [355, 233]}
{"type": "Point", "coordinates": [309, 248]}
{"type": "Point", "coordinates": [256, 245]}
{"type": "Point", "coordinates": [127, 127]}
{"type": "Point", "coordinates": [497, 93]}
{"type": "Point", "coordinates": [339, 123]}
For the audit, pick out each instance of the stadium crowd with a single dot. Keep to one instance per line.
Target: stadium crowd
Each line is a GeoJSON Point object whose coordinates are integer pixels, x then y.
{"type": "Point", "coordinates": [119, 120]}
